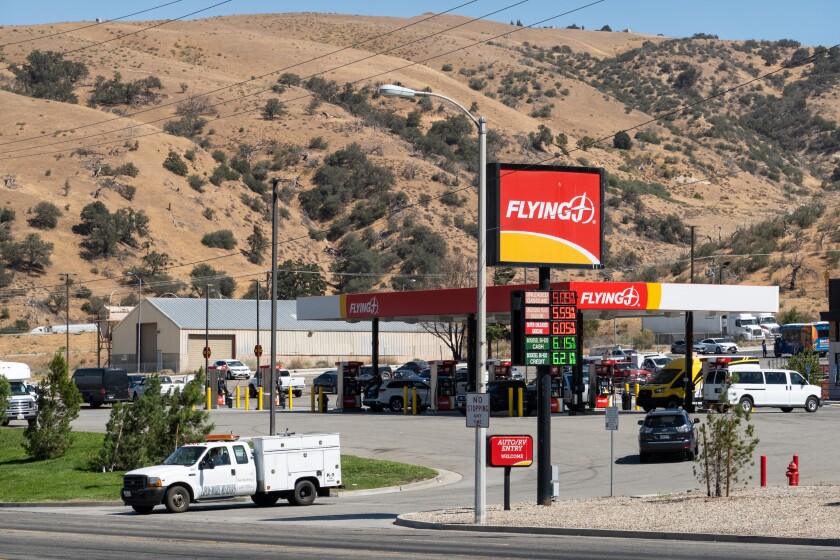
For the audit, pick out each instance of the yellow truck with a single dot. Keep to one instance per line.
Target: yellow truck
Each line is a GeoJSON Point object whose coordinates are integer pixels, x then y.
{"type": "Point", "coordinates": [666, 389]}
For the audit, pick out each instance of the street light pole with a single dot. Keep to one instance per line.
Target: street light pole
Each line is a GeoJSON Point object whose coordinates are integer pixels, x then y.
{"type": "Point", "coordinates": [391, 90]}
{"type": "Point", "coordinates": [272, 364]}
{"type": "Point", "coordinates": [67, 315]}
{"type": "Point", "coordinates": [139, 314]}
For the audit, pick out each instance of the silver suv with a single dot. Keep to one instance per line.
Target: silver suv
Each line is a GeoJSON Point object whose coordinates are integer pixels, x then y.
{"type": "Point", "coordinates": [234, 369]}
{"type": "Point", "coordinates": [390, 394]}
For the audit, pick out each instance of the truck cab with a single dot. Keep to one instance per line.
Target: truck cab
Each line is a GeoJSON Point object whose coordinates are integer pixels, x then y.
{"type": "Point", "coordinates": [23, 403]}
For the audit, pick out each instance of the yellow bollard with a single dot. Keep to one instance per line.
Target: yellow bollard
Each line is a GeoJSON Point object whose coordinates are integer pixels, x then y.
{"type": "Point", "coordinates": [290, 398]}
{"type": "Point", "coordinates": [405, 399]}
{"type": "Point", "coordinates": [237, 396]}
{"type": "Point", "coordinates": [510, 402]}
{"type": "Point", "coordinates": [519, 401]}
{"type": "Point", "coordinates": [209, 400]}
{"type": "Point", "coordinates": [192, 407]}
{"type": "Point", "coordinates": [247, 397]}
{"type": "Point", "coordinates": [320, 398]}
{"type": "Point", "coordinates": [637, 396]}
{"type": "Point", "coordinates": [312, 400]}
{"type": "Point", "coordinates": [260, 401]}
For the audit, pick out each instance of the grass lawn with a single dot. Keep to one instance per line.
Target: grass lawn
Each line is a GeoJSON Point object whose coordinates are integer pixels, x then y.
{"type": "Point", "coordinates": [70, 478]}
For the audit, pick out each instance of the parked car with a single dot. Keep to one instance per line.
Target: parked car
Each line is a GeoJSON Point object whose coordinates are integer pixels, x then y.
{"type": "Point", "coordinates": [328, 381]}
{"type": "Point", "coordinates": [654, 364]}
{"type": "Point", "coordinates": [415, 366]}
{"type": "Point", "coordinates": [234, 369]}
{"type": "Point", "coordinates": [99, 386]}
{"type": "Point", "coordinates": [667, 431]}
{"type": "Point", "coordinates": [678, 347]}
{"type": "Point", "coordinates": [390, 394]}
{"type": "Point", "coordinates": [366, 373]}
{"type": "Point", "coordinates": [718, 346]}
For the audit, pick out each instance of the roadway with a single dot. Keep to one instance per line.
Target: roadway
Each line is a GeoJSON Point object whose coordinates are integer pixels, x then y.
{"type": "Point", "coordinates": [362, 523]}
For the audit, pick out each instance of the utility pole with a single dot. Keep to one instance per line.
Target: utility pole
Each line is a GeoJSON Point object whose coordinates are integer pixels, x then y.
{"type": "Point", "coordinates": [66, 278]}
{"type": "Point", "coordinates": [272, 367]}
{"type": "Point", "coordinates": [688, 402]}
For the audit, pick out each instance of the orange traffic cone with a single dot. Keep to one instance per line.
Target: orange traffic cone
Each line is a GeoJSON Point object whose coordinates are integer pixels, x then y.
{"type": "Point", "coordinates": [221, 400]}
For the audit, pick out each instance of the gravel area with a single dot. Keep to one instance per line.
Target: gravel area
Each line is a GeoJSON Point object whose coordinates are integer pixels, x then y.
{"type": "Point", "coordinates": [799, 511]}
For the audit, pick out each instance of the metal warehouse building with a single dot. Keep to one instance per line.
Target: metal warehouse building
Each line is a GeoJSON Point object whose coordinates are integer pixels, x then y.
{"type": "Point", "coordinates": [173, 334]}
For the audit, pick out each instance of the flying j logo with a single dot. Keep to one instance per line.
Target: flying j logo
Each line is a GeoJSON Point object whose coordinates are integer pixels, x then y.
{"type": "Point", "coordinates": [545, 215]}
{"type": "Point", "coordinates": [618, 295]}
{"type": "Point", "coordinates": [370, 307]}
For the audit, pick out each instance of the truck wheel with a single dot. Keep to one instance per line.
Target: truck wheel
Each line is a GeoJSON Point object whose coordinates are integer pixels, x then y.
{"type": "Point", "coordinates": [297, 393]}
{"type": "Point", "coordinates": [787, 409]}
{"type": "Point", "coordinates": [672, 404]}
{"type": "Point", "coordinates": [812, 404]}
{"type": "Point", "coordinates": [304, 494]}
{"type": "Point", "coordinates": [95, 404]}
{"type": "Point", "coordinates": [396, 404]}
{"type": "Point", "coordinates": [643, 458]}
{"type": "Point", "coordinates": [143, 510]}
{"type": "Point", "coordinates": [264, 500]}
{"type": "Point", "coordinates": [177, 499]}
{"type": "Point", "coordinates": [647, 408]}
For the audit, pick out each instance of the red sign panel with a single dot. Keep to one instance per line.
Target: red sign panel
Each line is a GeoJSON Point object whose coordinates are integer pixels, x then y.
{"type": "Point", "coordinates": [545, 215]}
{"type": "Point", "coordinates": [510, 451]}
{"type": "Point", "coordinates": [537, 327]}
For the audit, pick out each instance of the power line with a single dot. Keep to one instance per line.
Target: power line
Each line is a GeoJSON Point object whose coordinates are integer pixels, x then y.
{"type": "Point", "coordinates": [123, 36]}
{"type": "Point", "coordinates": [237, 84]}
{"type": "Point", "coordinates": [103, 22]}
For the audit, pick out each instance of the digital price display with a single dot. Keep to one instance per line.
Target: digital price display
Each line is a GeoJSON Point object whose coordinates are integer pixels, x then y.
{"type": "Point", "coordinates": [552, 340]}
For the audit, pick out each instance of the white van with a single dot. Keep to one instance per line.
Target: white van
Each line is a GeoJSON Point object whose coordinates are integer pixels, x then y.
{"type": "Point", "coordinates": [778, 388]}
{"type": "Point", "coordinates": [717, 373]}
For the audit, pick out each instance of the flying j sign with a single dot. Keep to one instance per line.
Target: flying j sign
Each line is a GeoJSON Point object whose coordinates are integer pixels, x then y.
{"type": "Point", "coordinates": [545, 215]}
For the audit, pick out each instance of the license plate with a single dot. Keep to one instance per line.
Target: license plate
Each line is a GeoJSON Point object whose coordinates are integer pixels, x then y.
{"type": "Point", "coordinates": [20, 416]}
{"type": "Point", "coordinates": [127, 493]}
{"type": "Point", "coordinates": [664, 436]}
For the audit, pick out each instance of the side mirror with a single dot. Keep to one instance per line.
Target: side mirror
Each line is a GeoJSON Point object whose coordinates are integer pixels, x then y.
{"type": "Point", "coordinates": [640, 422]}
{"type": "Point", "coordinates": [206, 464]}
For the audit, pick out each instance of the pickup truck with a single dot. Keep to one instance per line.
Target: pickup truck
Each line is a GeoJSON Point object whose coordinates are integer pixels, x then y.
{"type": "Point", "coordinates": [23, 403]}
{"type": "Point", "coordinates": [284, 381]}
{"type": "Point", "coordinates": [168, 385]}
{"type": "Point", "coordinates": [293, 467]}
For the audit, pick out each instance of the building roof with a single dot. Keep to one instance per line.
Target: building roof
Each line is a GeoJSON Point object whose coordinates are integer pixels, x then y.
{"type": "Point", "coordinates": [241, 314]}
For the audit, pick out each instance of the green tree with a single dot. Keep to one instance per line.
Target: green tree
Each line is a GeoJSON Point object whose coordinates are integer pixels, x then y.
{"type": "Point", "coordinates": [188, 126]}
{"type": "Point", "coordinates": [5, 395]}
{"type": "Point", "coordinates": [105, 231]}
{"type": "Point", "coordinates": [807, 363]}
{"type": "Point", "coordinates": [644, 339]}
{"type": "Point", "coordinates": [273, 108]}
{"type": "Point", "coordinates": [590, 328]}
{"type": "Point", "coordinates": [47, 75]}
{"type": "Point", "coordinates": [793, 315]}
{"type": "Point", "coordinates": [727, 443]}
{"type": "Point", "coordinates": [148, 430]}
{"type": "Point", "coordinates": [50, 435]}
{"type": "Point", "coordinates": [295, 278]}
{"type": "Point", "coordinates": [222, 239]}
{"type": "Point", "coordinates": [45, 215]}
{"type": "Point", "coordinates": [175, 164]}
{"type": "Point", "coordinates": [257, 244]}
{"type": "Point", "coordinates": [205, 275]}
{"type": "Point", "coordinates": [503, 275]}
{"type": "Point", "coordinates": [622, 140]}
{"type": "Point", "coordinates": [30, 255]}
{"type": "Point", "coordinates": [687, 78]}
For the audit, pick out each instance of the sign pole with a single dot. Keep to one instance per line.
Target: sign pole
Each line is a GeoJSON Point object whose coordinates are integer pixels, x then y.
{"type": "Point", "coordinates": [544, 416]}
{"type": "Point", "coordinates": [507, 488]}
{"type": "Point", "coordinates": [612, 462]}
{"type": "Point", "coordinates": [611, 424]}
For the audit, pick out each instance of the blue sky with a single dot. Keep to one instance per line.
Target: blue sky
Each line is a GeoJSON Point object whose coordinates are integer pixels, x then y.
{"type": "Point", "coordinates": [812, 22]}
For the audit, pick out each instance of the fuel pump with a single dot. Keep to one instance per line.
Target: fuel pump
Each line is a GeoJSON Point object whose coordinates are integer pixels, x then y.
{"type": "Point", "coordinates": [556, 388]}
{"type": "Point", "coordinates": [265, 380]}
{"type": "Point", "coordinates": [443, 384]}
{"type": "Point", "coordinates": [349, 387]}
{"type": "Point", "coordinates": [605, 373]}
{"type": "Point", "coordinates": [503, 370]}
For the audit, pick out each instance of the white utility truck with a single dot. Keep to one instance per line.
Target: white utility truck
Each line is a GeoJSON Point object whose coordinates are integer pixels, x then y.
{"type": "Point", "coordinates": [23, 404]}
{"type": "Point", "coordinates": [294, 467]}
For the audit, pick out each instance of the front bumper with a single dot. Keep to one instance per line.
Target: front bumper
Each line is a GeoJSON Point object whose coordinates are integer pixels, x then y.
{"type": "Point", "coordinates": [665, 446]}
{"type": "Point", "coordinates": [143, 496]}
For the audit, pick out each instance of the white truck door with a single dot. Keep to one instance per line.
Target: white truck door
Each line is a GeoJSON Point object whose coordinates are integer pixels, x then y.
{"type": "Point", "coordinates": [799, 389]}
{"type": "Point", "coordinates": [778, 393]}
{"type": "Point", "coordinates": [246, 471]}
{"type": "Point", "coordinates": [220, 481]}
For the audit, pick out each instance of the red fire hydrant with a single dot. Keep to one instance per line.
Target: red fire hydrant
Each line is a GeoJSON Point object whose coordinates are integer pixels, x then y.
{"type": "Point", "coordinates": [792, 474]}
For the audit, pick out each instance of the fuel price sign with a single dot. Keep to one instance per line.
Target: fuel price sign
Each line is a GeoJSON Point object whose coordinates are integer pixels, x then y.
{"type": "Point", "coordinates": [545, 328]}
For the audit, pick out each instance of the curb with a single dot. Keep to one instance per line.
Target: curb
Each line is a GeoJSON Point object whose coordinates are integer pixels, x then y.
{"type": "Point", "coordinates": [617, 533]}
{"type": "Point", "coordinates": [58, 504]}
{"type": "Point", "coordinates": [443, 478]}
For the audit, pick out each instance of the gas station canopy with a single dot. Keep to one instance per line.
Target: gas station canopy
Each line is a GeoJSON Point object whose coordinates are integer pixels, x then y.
{"type": "Point", "coordinates": [597, 300]}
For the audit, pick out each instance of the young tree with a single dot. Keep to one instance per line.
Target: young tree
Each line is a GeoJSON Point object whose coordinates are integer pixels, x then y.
{"type": "Point", "coordinates": [807, 363]}
{"type": "Point", "coordinates": [257, 244]}
{"type": "Point", "coordinates": [45, 216]}
{"type": "Point", "coordinates": [273, 108]}
{"type": "Point", "coordinates": [50, 435]}
{"type": "Point", "coordinates": [30, 255]}
{"type": "Point", "coordinates": [622, 140]}
{"type": "Point", "coordinates": [175, 164]}
{"type": "Point", "coordinates": [205, 275]}
{"type": "Point", "coordinates": [727, 443]}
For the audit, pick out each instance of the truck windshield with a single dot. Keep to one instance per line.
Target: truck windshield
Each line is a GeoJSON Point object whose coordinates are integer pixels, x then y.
{"type": "Point", "coordinates": [18, 389]}
{"type": "Point", "coordinates": [664, 377]}
{"type": "Point", "coordinates": [185, 456]}
{"type": "Point", "coordinates": [767, 320]}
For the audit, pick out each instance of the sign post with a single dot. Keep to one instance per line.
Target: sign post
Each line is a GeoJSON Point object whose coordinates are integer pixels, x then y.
{"type": "Point", "coordinates": [611, 424]}
{"type": "Point", "coordinates": [508, 452]}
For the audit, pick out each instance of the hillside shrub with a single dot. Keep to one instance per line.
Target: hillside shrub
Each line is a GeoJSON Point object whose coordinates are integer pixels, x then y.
{"type": "Point", "coordinates": [175, 164]}
{"type": "Point", "coordinates": [188, 126]}
{"type": "Point", "coordinates": [45, 215]}
{"type": "Point", "coordinates": [222, 239]}
{"type": "Point", "coordinates": [116, 92]}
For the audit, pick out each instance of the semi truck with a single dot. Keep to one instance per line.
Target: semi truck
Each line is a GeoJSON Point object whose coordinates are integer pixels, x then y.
{"type": "Point", "coordinates": [740, 327]}
{"type": "Point", "coordinates": [293, 467]}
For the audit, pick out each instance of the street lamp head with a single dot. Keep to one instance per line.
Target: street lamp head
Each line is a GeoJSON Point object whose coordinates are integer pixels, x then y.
{"type": "Point", "coordinates": [391, 90]}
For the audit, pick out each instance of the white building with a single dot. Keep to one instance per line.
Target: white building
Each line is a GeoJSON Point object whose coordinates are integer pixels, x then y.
{"type": "Point", "coordinates": [173, 336]}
